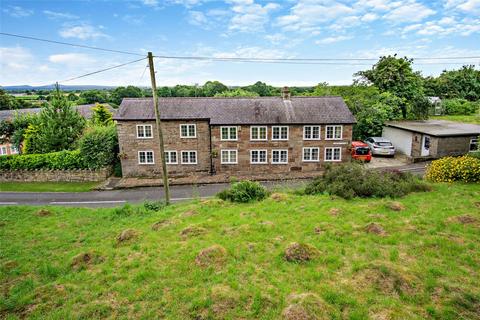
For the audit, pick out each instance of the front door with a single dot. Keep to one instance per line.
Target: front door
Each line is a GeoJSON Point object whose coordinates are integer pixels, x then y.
{"type": "Point", "coordinates": [425, 146]}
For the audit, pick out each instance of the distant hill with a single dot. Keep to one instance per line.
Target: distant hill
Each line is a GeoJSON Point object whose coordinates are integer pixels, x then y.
{"type": "Point", "coordinates": [52, 86]}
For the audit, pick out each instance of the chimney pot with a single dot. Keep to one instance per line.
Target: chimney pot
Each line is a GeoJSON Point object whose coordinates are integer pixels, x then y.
{"type": "Point", "coordinates": [286, 93]}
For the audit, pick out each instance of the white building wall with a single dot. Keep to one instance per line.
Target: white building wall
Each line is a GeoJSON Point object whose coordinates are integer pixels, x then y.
{"type": "Point", "coordinates": [401, 139]}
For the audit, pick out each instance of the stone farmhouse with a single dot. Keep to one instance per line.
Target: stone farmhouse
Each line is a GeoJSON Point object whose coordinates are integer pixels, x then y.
{"type": "Point", "coordinates": [234, 136]}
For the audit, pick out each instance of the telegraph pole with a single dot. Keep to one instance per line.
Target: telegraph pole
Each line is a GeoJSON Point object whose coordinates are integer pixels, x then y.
{"type": "Point", "coordinates": [159, 128]}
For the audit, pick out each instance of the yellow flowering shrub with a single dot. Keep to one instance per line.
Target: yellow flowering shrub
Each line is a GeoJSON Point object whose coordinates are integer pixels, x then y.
{"type": "Point", "coordinates": [449, 169]}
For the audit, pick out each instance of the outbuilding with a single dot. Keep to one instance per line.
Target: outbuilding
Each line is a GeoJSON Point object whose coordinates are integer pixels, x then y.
{"type": "Point", "coordinates": [430, 139]}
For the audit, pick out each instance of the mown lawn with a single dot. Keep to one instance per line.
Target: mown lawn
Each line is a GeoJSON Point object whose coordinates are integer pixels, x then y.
{"type": "Point", "coordinates": [475, 118]}
{"type": "Point", "coordinates": [47, 186]}
{"type": "Point", "coordinates": [426, 264]}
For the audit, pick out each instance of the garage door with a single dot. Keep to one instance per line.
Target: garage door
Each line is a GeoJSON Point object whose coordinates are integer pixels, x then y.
{"type": "Point", "coordinates": [401, 139]}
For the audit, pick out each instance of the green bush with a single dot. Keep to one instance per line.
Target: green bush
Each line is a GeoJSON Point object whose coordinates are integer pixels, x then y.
{"type": "Point", "coordinates": [460, 106]}
{"type": "Point", "coordinates": [450, 169]}
{"type": "Point", "coordinates": [99, 146]}
{"type": "Point", "coordinates": [353, 180]}
{"type": "Point", "coordinates": [244, 191]}
{"type": "Point", "coordinates": [154, 205]}
{"type": "Point", "coordinates": [55, 160]}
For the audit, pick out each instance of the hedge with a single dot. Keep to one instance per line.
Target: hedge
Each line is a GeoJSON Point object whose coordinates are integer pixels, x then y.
{"type": "Point", "coordinates": [62, 160]}
{"type": "Point", "coordinates": [449, 169]}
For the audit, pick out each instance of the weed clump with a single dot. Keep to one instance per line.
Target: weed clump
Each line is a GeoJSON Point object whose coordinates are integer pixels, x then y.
{"type": "Point", "coordinates": [386, 280]}
{"type": "Point", "coordinates": [375, 228]}
{"type": "Point", "coordinates": [126, 211]}
{"type": "Point", "coordinates": [224, 299]}
{"type": "Point", "coordinates": [300, 252]}
{"type": "Point", "coordinates": [395, 206]}
{"type": "Point", "coordinates": [464, 219]}
{"type": "Point", "coordinates": [85, 259]}
{"type": "Point", "coordinates": [353, 180]}
{"type": "Point", "coordinates": [334, 212]}
{"type": "Point", "coordinates": [244, 191]}
{"type": "Point", "coordinates": [306, 306]}
{"type": "Point", "coordinates": [214, 256]}
{"type": "Point", "coordinates": [192, 231]}
{"type": "Point", "coordinates": [189, 213]}
{"type": "Point", "coordinates": [160, 224]}
{"type": "Point", "coordinates": [43, 213]}
{"type": "Point", "coordinates": [279, 197]}
{"type": "Point", "coordinates": [126, 235]}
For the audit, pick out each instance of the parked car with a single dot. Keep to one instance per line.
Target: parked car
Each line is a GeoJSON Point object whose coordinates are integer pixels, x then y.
{"type": "Point", "coordinates": [361, 151]}
{"type": "Point", "coordinates": [380, 146]}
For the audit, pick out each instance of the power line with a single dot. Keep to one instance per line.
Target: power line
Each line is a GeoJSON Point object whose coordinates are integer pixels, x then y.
{"type": "Point", "coordinates": [241, 59]}
{"type": "Point", "coordinates": [70, 44]}
{"type": "Point", "coordinates": [102, 70]}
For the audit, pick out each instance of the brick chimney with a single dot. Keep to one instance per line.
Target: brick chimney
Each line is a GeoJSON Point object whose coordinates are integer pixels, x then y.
{"type": "Point", "coordinates": [286, 93]}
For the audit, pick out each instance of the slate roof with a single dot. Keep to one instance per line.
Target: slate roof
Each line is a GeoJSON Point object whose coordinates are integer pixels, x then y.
{"type": "Point", "coordinates": [84, 109]}
{"type": "Point", "coordinates": [440, 128]}
{"type": "Point", "coordinates": [262, 110]}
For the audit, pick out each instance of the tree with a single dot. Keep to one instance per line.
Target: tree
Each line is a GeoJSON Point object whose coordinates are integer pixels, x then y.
{"type": "Point", "coordinates": [463, 83]}
{"type": "Point", "coordinates": [93, 96]}
{"type": "Point", "coordinates": [101, 115]}
{"type": "Point", "coordinates": [237, 93]}
{"type": "Point", "coordinates": [211, 88]}
{"type": "Point", "coordinates": [56, 128]}
{"type": "Point", "coordinates": [125, 92]}
{"type": "Point", "coordinates": [395, 75]}
{"type": "Point", "coordinates": [71, 97]}
{"type": "Point", "coordinates": [261, 88]}
{"type": "Point", "coordinates": [7, 102]}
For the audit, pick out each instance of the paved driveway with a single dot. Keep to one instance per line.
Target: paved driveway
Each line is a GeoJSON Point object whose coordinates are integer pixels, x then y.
{"type": "Point", "coordinates": [384, 162]}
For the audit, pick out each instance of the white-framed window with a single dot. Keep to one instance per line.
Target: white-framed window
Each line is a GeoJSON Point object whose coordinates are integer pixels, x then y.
{"type": "Point", "coordinates": [146, 157]}
{"type": "Point", "coordinates": [473, 145]}
{"type": "Point", "coordinates": [144, 131]}
{"type": "Point", "coordinates": [171, 157]}
{"type": "Point", "coordinates": [188, 131]}
{"type": "Point", "coordinates": [3, 151]}
{"type": "Point", "coordinates": [333, 154]}
{"type": "Point", "coordinates": [311, 132]}
{"type": "Point", "coordinates": [279, 156]}
{"type": "Point", "coordinates": [189, 157]}
{"type": "Point", "coordinates": [229, 156]}
{"type": "Point", "coordinates": [333, 132]}
{"type": "Point", "coordinates": [279, 132]}
{"type": "Point", "coordinates": [228, 133]}
{"type": "Point", "coordinates": [258, 133]}
{"type": "Point", "coordinates": [311, 154]}
{"type": "Point", "coordinates": [258, 156]}
{"type": "Point", "coordinates": [13, 149]}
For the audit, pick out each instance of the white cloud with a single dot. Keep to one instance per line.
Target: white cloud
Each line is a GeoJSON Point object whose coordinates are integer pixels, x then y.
{"type": "Point", "coordinates": [411, 11]}
{"type": "Point", "coordinates": [71, 59]}
{"type": "Point", "coordinates": [467, 6]}
{"type": "Point", "coordinates": [330, 40]}
{"type": "Point", "coordinates": [369, 17]}
{"type": "Point", "coordinates": [132, 19]}
{"type": "Point", "coordinates": [82, 32]}
{"type": "Point", "coordinates": [276, 38]}
{"type": "Point", "coordinates": [250, 16]}
{"type": "Point", "coordinates": [59, 15]}
{"type": "Point", "coordinates": [18, 12]}
{"type": "Point", "coordinates": [151, 3]}
{"type": "Point", "coordinates": [197, 18]}
{"type": "Point", "coordinates": [14, 59]}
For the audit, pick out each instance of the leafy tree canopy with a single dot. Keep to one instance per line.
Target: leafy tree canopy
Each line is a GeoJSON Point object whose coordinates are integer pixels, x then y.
{"type": "Point", "coordinates": [237, 93]}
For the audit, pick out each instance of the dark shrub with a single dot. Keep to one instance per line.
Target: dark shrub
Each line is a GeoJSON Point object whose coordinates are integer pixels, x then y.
{"type": "Point", "coordinates": [353, 180]}
{"type": "Point", "coordinates": [244, 191]}
{"type": "Point", "coordinates": [154, 205]}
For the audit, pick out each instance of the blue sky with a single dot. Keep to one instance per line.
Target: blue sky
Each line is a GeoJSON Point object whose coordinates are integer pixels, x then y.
{"type": "Point", "coordinates": [230, 28]}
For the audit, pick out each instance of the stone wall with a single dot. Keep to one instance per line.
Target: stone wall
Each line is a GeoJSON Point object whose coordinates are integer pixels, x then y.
{"type": "Point", "coordinates": [130, 145]}
{"type": "Point", "coordinates": [294, 145]}
{"type": "Point", "coordinates": [54, 175]}
{"type": "Point", "coordinates": [453, 146]}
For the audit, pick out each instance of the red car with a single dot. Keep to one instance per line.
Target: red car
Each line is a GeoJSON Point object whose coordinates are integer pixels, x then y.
{"type": "Point", "coordinates": [361, 151]}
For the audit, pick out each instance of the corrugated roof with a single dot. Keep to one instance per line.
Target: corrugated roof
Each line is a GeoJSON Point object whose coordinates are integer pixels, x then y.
{"type": "Point", "coordinates": [262, 110]}
{"type": "Point", "coordinates": [439, 128]}
{"type": "Point", "coordinates": [84, 109]}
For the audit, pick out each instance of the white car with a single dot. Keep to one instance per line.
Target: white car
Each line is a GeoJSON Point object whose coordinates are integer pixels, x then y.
{"type": "Point", "coordinates": [380, 146]}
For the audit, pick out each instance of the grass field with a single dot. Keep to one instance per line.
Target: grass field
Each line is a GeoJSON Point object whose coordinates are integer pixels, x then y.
{"type": "Point", "coordinates": [47, 186]}
{"type": "Point", "coordinates": [467, 119]}
{"type": "Point", "coordinates": [67, 263]}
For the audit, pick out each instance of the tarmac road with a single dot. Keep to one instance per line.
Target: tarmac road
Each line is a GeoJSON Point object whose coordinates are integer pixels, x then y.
{"type": "Point", "coordinates": [119, 197]}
